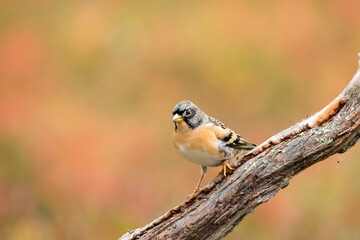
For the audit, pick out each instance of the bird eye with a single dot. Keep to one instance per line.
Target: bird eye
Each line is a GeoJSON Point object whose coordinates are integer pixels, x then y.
{"type": "Point", "coordinates": [187, 113]}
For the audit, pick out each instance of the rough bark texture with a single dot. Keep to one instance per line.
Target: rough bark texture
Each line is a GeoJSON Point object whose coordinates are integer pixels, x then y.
{"type": "Point", "coordinates": [260, 174]}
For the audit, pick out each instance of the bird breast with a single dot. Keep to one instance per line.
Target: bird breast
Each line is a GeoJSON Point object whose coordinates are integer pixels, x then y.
{"type": "Point", "coordinates": [200, 145]}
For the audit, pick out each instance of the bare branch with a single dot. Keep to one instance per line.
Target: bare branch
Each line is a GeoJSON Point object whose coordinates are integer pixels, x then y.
{"type": "Point", "coordinates": [261, 173]}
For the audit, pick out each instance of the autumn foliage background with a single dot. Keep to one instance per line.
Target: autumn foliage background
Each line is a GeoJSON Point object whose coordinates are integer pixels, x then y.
{"type": "Point", "coordinates": [87, 90]}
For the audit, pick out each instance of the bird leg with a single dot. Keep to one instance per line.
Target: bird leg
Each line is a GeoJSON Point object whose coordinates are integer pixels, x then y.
{"type": "Point", "coordinates": [225, 165]}
{"type": "Point", "coordinates": [203, 171]}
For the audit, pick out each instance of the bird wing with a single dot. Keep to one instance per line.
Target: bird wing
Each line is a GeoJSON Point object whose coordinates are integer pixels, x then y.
{"type": "Point", "coordinates": [228, 136]}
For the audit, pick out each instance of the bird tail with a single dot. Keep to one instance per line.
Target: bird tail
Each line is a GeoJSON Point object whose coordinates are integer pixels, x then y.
{"type": "Point", "coordinates": [247, 145]}
{"type": "Point", "coordinates": [240, 143]}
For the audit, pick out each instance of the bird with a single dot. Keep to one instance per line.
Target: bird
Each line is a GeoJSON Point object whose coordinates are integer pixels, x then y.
{"type": "Point", "coordinates": [205, 140]}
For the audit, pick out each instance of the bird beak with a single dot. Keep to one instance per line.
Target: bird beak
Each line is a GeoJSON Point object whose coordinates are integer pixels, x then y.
{"type": "Point", "coordinates": [177, 118]}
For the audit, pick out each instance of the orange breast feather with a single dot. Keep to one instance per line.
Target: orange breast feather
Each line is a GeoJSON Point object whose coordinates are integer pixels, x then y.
{"type": "Point", "coordinates": [203, 139]}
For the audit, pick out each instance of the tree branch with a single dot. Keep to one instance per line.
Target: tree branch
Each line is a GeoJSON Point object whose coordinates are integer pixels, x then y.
{"type": "Point", "coordinates": [260, 174]}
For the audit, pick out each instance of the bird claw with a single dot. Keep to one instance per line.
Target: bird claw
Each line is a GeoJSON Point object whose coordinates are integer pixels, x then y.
{"type": "Point", "coordinates": [196, 191]}
{"type": "Point", "coordinates": [225, 166]}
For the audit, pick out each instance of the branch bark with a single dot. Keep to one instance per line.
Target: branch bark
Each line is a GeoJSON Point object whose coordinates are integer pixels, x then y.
{"type": "Point", "coordinates": [260, 174]}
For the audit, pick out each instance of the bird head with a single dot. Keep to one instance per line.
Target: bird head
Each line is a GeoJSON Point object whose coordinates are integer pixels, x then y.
{"type": "Point", "coordinates": [189, 113]}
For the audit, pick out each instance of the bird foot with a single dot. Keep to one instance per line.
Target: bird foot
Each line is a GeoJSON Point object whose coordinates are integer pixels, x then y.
{"type": "Point", "coordinates": [224, 167]}
{"type": "Point", "coordinates": [196, 191]}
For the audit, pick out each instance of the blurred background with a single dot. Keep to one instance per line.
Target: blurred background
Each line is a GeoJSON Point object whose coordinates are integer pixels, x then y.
{"type": "Point", "coordinates": [86, 94]}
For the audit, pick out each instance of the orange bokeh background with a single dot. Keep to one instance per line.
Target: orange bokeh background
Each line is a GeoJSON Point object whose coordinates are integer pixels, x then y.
{"type": "Point", "coordinates": [87, 90]}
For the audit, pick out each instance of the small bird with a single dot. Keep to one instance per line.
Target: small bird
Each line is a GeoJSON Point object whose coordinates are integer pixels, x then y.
{"type": "Point", "coordinates": [205, 140]}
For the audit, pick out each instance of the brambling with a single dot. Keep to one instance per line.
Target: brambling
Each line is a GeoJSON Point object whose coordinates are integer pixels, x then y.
{"type": "Point", "coordinates": [205, 140]}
